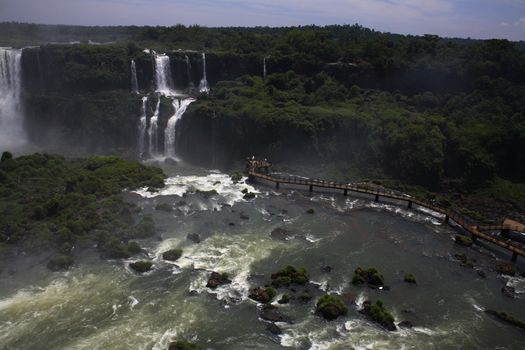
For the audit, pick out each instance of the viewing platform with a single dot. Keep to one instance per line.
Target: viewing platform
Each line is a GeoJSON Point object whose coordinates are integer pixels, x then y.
{"type": "Point", "coordinates": [259, 170]}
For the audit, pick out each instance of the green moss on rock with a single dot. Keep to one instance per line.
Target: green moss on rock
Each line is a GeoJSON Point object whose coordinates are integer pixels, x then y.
{"type": "Point", "coordinates": [331, 307]}
{"type": "Point", "coordinates": [141, 266]}
{"type": "Point", "coordinates": [410, 278]}
{"type": "Point", "coordinates": [172, 254]}
{"type": "Point", "coordinates": [290, 275]}
{"type": "Point", "coordinates": [370, 276]}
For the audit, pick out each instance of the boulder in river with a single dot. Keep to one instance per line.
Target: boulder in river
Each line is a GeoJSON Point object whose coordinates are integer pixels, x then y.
{"type": "Point", "coordinates": [194, 237]}
{"type": "Point", "coordinates": [217, 279]}
{"type": "Point", "coordinates": [281, 234]}
{"type": "Point", "coordinates": [263, 295]}
{"type": "Point", "coordinates": [410, 278]}
{"type": "Point", "coordinates": [290, 275]}
{"type": "Point", "coordinates": [141, 266]}
{"type": "Point", "coordinates": [274, 329]}
{"type": "Point", "coordinates": [370, 276]}
{"type": "Point", "coordinates": [502, 316]}
{"type": "Point", "coordinates": [331, 307]}
{"type": "Point", "coordinates": [405, 324]}
{"type": "Point", "coordinates": [463, 240]}
{"type": "Point", "coordinates": [377, 313]}
{"type": "Point", "coordinates": [271, 313]}
{"type": "Point", "coordinates": [172, 254]}
{"type": "Point", "coordinates": [508, 291]}
{"type": "Point", "coordinates": [60, 263]}
{"type": "Point", "coordinates": [183, 345]}
{"type": "Point", "coordinates": [505, 268]}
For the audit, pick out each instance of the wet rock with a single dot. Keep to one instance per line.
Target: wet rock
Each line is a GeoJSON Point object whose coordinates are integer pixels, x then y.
{"type": "Point", "coordinates": [463, 240]}
{"type": "Point", "coordinates": [194, 237]}
{"type": "Point", "coordinates": [249, 195]}
{"type": "Point", "coordinates": [244, 216]}
{"type": "Point", "coordinates": [172, 254]}
{"type": "Point", "coordinates": [231, 224]}
{"type": "Point", "coordinates": [164, 207]}
{"type": "Point", "coordinates": [274, 329]}
{"type": "Point", "coordinates": [481, 273]}
{"type": "Point", "coordinates": [217, 279]}
{"type": "Point", "coordinates": [183, 345]}
{"type": "Point", "coordinates": [285, 299]}
{"type": "Point", "coordinates": [348, 298]}
{"type": "Point", "coordinates": [263, 295]}
{"type": "Point", "coordinates": [271, 313]}
{"type": "Point", "coordinates": [60, 263]}
{"type": "Point", "coordinates": [281, 234]}
{"type": "Point", "coordinates": [405, 324]}
{"type": "Point", "coordinates": [410, 278]}
{"type": "Point", "coordinates": [305, 297]}
{"type": "Point", "coordinates": [141, 266]}
{"type": "Point", "coordinates": [502, 316]}
{"type": "Point", "coordinates": [310, 211]}
{"type": "Point", "coordinates": [505, 268]}
{"type": "Point", "coordinates": [508, 291]}
{"type": "Point", "coordinates": [326, 269]}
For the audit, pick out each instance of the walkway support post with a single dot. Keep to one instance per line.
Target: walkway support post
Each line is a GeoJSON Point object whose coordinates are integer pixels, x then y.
{"type": "Point", "coordinates": [514, 257]}
{"type": "Point", "coordinates": [311, 188]}
{"type": "Point", "coordinates": [346, 192]}
{"type": "Point", "coordinates": [276, 185]}
{"type": "Point", "coordinates": [409, 204]}
{"type": "Point", "coordinates": [377, 198]}
{"type": "Point", "coordinates": [446, 218]}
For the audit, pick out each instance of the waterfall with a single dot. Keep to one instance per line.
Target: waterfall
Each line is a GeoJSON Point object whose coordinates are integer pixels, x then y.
{"type": "Point", "coordinates": [142, 127]}
{"type": "Point", "coordinates": [163, 75]}
{"type": "Point", "coordinates": [188, 71]}
{"type": "Point", "coordinates": [169, 134]}
{"type": "Point", "coordinates": [11, 128]}
{"type": "Point", "coordinates": [203, 86]}
{"type": "Point", "coordinates": [153, 131]}
{"type": "Point", "coordinates": [264, 68]}
{"type": "Point", "coordinates": [134, 81]}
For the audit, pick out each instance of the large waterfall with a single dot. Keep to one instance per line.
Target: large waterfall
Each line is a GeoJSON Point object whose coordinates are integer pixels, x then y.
{"type": "Point", "coordinates": [134, 81]}
{"type": "Point", "coordinates": [142, 127]}
{"type": "Point", "coordinates": [163, 78]}
{"type": "Point", "coordinates": [11, 123]}
{"type": "Point", "coordinates": [203, 86]}
{"type": "Point", "coordinates": [153, 131]}
{"type": "Point", "coordinates": [180, 107]}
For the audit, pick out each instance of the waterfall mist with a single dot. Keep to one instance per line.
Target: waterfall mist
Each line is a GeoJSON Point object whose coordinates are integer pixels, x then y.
{"type": "Point", "coordinates": [12, 133]}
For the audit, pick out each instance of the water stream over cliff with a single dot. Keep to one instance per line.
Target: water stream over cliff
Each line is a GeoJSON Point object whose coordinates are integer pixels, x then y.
{"type": "Point", "coordinates": [134, 81]}
{"type": "Point", "coordinates": [180, 107]}
{"type": "Point", "coordinates": [11, 117]}
{"type": "Point", "coordinates": [203, 86]}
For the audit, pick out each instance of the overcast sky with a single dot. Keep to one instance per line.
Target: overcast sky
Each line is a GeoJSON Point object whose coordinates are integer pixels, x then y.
{"type": "Point", "coordinates": [456, 18]}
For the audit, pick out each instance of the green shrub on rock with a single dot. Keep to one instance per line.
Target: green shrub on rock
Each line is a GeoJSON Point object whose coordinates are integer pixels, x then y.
{"type": "Point", "coordinates": [141, 266]}
{"type": "Point", "coordinates": [370, 276]}
{"type": "Point", "coordinates": [410, 278]}
{"type": "Point", "coordinates": [331, 307]}
{"type": "Point", "coordinates": [183, 345]}
{"type": "Point", "coordinates": [290, 275]}
{"type": "Point", "coordinates": [172, 254]}
{"type": "Point", "coordinates": [379, 314]}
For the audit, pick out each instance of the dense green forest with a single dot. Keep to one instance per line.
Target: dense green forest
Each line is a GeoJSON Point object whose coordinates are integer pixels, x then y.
{"type": "Point", "coordinates": [444, 113]}
{"type": "Point", "coordinates": [47, 202]}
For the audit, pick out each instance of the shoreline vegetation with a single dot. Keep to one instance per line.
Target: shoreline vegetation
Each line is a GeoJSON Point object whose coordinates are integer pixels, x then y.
{"type": "Point", "coordinates": [51, 203]}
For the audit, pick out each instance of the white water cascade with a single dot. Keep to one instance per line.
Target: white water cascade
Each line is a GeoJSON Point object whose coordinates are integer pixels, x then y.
{"type": "Point", "coordinates": [163, 80]}
{"type": "Point", "coordinates": [203, 86]}
{"type": "Point", "coordinates": [188, 71]}
{"type": "Point", "coordinates": [169, 133]}
{"type": "Point", "coordinates": [134, 81]}
{"type": "Point", "coordinates": [153, 131]}
{"type": "Point", "coordinates": [142, 127]}
{"type": "Point", "coordinates": [11, 128]}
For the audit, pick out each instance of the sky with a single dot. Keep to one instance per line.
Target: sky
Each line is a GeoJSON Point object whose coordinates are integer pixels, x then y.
{"type": "Point", "coordinates": [451, 18]}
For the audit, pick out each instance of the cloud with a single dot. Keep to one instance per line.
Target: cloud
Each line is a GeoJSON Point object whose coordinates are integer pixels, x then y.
{"type": "Point", "coordinates": [520, 23]}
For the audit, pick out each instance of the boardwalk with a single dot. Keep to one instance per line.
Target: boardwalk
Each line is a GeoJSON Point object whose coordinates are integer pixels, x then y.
{"type": "Point", "coordinates": [259, 170]}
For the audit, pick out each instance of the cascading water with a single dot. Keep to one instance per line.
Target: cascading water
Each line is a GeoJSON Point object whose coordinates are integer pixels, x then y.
{"type": "Point", "coordinates": [188, 71]}
{"type": "Point", "coordinates": [11, 130]}
{"type": "Point", "coordinates": [153, 131]}
{"type": "Point", "coordinates": [163, 78]}
{"type": "Point", "coordinates": [142, 127]}
{"type": "Point", "coordinates": [203, 86]}
{"type": "Point", "coordinates": [169, 133]}
{"type": "Point", "coordinates": [134, 81]}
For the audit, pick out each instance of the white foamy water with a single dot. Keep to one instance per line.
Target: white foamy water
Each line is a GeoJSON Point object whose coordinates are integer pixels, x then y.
{"type": "Point", "coordinates": [229, 191]}
{"type": "Point", "coordinates": [180, 107]}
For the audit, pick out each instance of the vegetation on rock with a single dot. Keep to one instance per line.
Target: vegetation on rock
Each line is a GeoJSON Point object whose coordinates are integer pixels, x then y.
{"type": "Point", "coordinates": [370, 276]}
{"type": "Point", "coordinates": [379, 314]}
{"type": "Point", "coordinates": [506, 318]}
{"type": "Point", "coordinates": [331, 307]}
{"type": "Point", "coordinates": [141, 266]}
{"type": "Point", "coordinates": [463, 240]}
{"type": "Point", "coordinates": [410, 278]}
{"type": "Point", "coordinates": [172, 254]}
{"type": "Point", "coordinates": [290, 275]}
{"type": "Point", "coordinates": [183, 345]}
{"type": "Point", "coordinates": [263, 295]}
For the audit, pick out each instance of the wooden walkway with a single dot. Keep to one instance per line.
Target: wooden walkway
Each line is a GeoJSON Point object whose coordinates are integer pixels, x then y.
{"type": "Point", "coordinates": [259, 170]}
